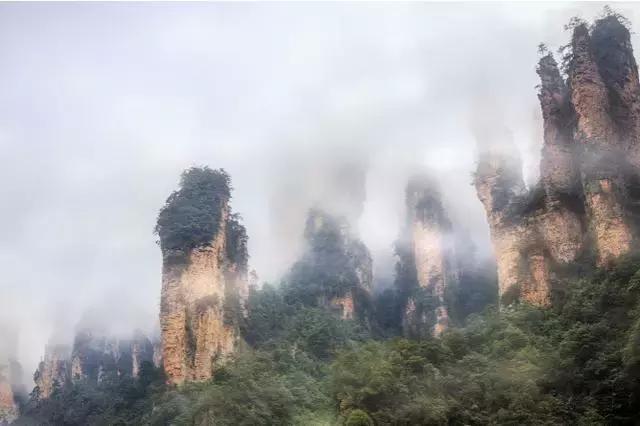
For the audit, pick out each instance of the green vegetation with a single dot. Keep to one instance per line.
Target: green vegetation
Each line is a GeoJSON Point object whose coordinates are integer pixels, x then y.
{"type": "Point", "coordinates": [191, 215]}
{"type": "Point", "coordinates": [329, 267]}
{"type": "Point", "coordinates": [577, 363]}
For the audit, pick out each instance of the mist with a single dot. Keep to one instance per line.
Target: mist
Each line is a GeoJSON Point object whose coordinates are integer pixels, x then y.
{"type": "Point", "coordinates": [103, 105]}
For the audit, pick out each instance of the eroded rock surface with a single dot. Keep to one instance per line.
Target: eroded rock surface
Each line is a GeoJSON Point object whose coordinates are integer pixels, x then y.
{"type": "Point", "coordinates": [335, 269]}
{"type": "Point", "coordinates": [522, 273]}
{"type": "Point", "coordinates": [588, 194]}
{"type": "Point", "coordinates": [54, 370]}
{"type": "Point", "coordinates": [429, 254]}
{"type": "Point", "coordinates": [204, 285]}
{"type": "Point", "coordinates": [8, 406]}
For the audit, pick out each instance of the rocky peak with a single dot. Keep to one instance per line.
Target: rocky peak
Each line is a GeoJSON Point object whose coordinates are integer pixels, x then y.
{"type": "Point", "coordinates": [429, 252]}
{"type": "Point", "coordinates": [613, 54]}
{"type": "Point", "coordinates": [523, 272]}
{"type": "Point", "coordinates": [204, 275]}
{"type": "Point", "coordinates": [8, 406]}
{"type": "Point", "coordinates": [599, 136]}
{"type": "Point", "coordinates": [54, 369]}
{"type": "Point", "coordinates": [588, 167]}
{"type": "Point", "coordinates": [335, 269]}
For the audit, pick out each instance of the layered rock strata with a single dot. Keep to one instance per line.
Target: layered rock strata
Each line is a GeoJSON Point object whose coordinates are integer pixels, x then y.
{"type": "Point", "coordinates": [53, 371]}
{"type": "Point", "coordinates": [431, 247]}
{"type": "Point", "coordinates": [203, 285]}
{"type": "Point", "coordinates": [93, 356]}
{"type": "Point", "coordinates": [602, 151]}
{"type": "Point", "coordinates": [588, 195]}
{"type": "Point", "coordinates": [8, 406]}
{"type": "Point", "coordinates": [522, 267]}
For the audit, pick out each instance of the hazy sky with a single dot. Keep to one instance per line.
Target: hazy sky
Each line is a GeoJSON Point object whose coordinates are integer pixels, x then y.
{"type": "Point", "coordinates": [103, 105]}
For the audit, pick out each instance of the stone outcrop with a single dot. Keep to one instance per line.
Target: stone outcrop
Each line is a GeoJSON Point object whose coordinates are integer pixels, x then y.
{"type": "Point", "coordinates": [93, 356]}
{"type": "Point", "coordinates": [8, 406]}
{"type": "Point", "coordinates": [203, 285]}
{"type": "Point", "coordinates": [96, 355]}
{"type": "Point", "coordinates": [335, 270]}
{"type": "Point", "coordinates": [602, 149]}
{"type": "Point", "coordinates": [522, 267]}
{"type": "Point", "coordinates": [53, 371]}
{"type": "Point", "coordinates": [560, 220]}
{"type": "Point", "coordinates": [429, 253]}
{"type": "Point", "coordinates": [587, 199]}
{"type": "Point", "coordinates": [611, 49]}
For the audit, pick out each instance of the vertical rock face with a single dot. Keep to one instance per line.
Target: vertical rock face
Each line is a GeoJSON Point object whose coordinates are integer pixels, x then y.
{"type": "Point", "coordinates": [53, 371]}
{"type": "Point", "coordinates": [96, 355]}
{"type": "Point", "coordinates": [203, 275]}
{"type": "Point", "coordinates": [612, 52]}
{"type": "Point", "coordinates": [142, 350]}
{"type": "Point", "coordinates": [603, 151]}
{"type": "Point", "coordinates": [522, 268]}
{"type": "Point", "coordinates": [8, 406]}
{"type": "Point", "coordinates": [588, 194]}
{"type": "Point", "coordinates": [431, 248]}
{"type": "Point", "coordinates": [335, 270]}
{"type": "Point", "coordinates": [560, 222]}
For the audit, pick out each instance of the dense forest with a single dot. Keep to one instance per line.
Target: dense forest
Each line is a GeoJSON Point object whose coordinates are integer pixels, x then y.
{"type": "Point", "coordinates": [578, 363]}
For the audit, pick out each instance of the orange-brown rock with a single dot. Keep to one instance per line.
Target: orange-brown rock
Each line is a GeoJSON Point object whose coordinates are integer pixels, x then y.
{"type": "Point", "coordinates": [8, 406]}
{"type": "Point", "coordinates": [559, 221]}
{"type": "Point", "coordinates": [431, 254]}
{"type": "Point", "coordinates": [194, 291]}
{"type": "Point", "coordinates": [204, 276]}
{"type": "Point", "coordinates": [54, 370]}
{"type": "Point", "coordinates": [589, 186]}
{"type": "Point", "coordinates": [344, 305]}
{"type": "Point", "coordinates": [612, 51]}
{"type": "Point", "coordinates": [603, 147]}
{"type": "Point", "coordinates": [523, 270]}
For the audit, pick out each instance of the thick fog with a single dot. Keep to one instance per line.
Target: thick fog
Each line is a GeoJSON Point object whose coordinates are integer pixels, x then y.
{"type": "Point", "coordinates": [103, 105]}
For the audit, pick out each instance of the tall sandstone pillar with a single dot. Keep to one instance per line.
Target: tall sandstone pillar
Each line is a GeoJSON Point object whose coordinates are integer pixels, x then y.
{"type": "Point", "coordinates": [432, 251]}
{"type": "Point", "coordinates": [54, 370]}
{"type": "Point", "coordinates": [560, 221]}
{"type": "Point", "coordinates": [523, 269]}
{"type": "Point", "coordinates": [602, 150]}
{"type": "Point", "coordinates": [8, 406]}
{"type": "Point", "coordinates": [334, 254]}
{"type": "Point", "coordinates": [201, 283]}
{"type": "Point", "coordinates": [613, 53]}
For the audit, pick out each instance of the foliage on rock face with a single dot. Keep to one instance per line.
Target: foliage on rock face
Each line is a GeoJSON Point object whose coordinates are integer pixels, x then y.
{"type": "Point", "coordinates": [329, 267]}
{"type": "Point", "coordinates": [236, 242]}
{"type": "Point", "coordinates": [576, 363]}
{"type": "Point", "coordinates": [115, 401]}
{"type": "Point", "coordinates": [191, 215]}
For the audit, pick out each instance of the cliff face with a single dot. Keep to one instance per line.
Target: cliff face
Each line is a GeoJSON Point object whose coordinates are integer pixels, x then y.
{"type": "Point", "coordinates": [588, 171]}
{"type": "Point", "coordinates": [560, 223]}
{"type": "Point", "coordinates": [8, 406]}
{"type": "Point", "coordinates": [523, 270]}
{"type": "Point", "coordinates": [335, 270]}
{"type": "Point", "coordinates": [93, 356]}
{"type": "Point", "coordinates": [603, 149]}
{"type": "Point", "coordinates": [202, 288]}
{"type": "Point", "coordinates": [96, 355]}
{"type": "Point", "coordinates": [428, 253]}
{"type": "Point", "coordinates": [53, 371]}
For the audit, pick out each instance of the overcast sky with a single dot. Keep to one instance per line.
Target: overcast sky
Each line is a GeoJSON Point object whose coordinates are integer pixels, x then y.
{"type": "Point", "coordinates": [103, 105]}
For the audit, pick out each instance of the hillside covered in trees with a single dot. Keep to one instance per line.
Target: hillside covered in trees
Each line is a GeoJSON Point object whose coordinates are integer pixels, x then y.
{"type": "Point", "coordinates": [548, 334]}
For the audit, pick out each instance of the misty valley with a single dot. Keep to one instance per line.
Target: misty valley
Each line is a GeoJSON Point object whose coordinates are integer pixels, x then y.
{"type": "Point", "coordinates": [541, 327]}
